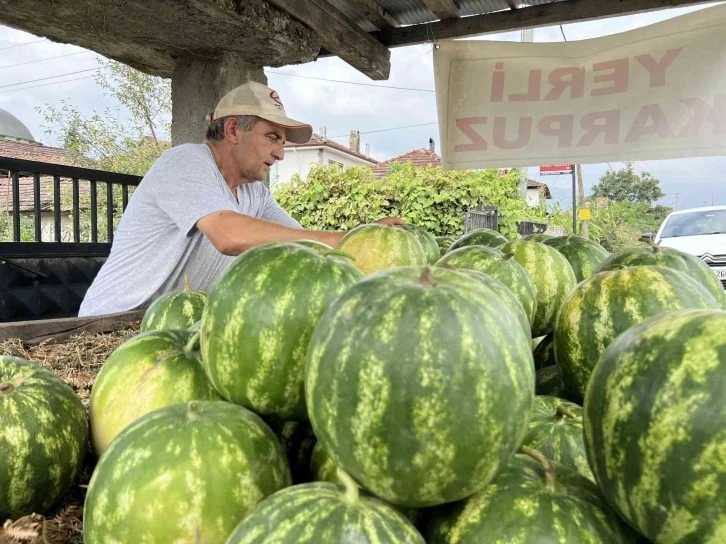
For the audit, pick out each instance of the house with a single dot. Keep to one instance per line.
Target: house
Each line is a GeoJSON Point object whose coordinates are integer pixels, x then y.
{"type": "Point", "coordinates": [17, 142]}
{"type": "Point", "coordinates": [319, 151]}
{"type": "Point", "coordinates": [537, 192]}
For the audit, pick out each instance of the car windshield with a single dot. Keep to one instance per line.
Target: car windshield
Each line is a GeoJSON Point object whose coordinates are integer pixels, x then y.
{"type": "Point", "coordinates": [695, 224]}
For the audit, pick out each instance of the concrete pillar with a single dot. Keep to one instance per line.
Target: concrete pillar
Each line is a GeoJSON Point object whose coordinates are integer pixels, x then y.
{"type": "Point", "coordinates": [197, 84]}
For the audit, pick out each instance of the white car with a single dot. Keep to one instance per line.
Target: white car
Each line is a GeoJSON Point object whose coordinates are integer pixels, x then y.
{"type": "Point", "coordinates": [700, 232]}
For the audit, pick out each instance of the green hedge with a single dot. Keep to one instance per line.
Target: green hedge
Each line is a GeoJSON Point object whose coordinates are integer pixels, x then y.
{"type": "Point", "coordinates": [429, 197]}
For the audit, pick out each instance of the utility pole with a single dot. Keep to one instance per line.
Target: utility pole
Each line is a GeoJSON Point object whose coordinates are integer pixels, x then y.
{"type": "Point", "coordinates": [584, 231]}
{"type": "Point", "coordinates": [678, 199]}
{"type": "Point", "coordinates": [574, 199]}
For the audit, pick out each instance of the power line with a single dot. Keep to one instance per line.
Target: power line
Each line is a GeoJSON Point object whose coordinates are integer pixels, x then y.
{"type": "Point", "coordinates": [353, 82]}
{"type": "Point", "coordinates": [49, 77]}
{"type": "Point", "coordinates": [21, 44]}
{"type": "Point", "coordinates": [388, 129]}
{"type": "Point", "coordinates": [47, 84]}
{"type": "Point", "coordinates": [41, 60]}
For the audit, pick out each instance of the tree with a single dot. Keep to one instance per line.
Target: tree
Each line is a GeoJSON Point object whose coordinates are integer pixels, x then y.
{"type": "Point", "coordinates": [102, 141]}
{"type": "Point", "coordinates": [626, 185]}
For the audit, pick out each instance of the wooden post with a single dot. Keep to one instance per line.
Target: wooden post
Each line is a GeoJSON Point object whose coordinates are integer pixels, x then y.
{"type": "Point", "coordinates": [584, 230]}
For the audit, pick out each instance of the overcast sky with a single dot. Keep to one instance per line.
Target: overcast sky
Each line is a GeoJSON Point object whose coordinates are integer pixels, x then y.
{"type": "Point", "coordinates": [341, 107]}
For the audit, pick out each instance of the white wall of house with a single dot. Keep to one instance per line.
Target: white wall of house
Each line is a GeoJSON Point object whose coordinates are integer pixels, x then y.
{"type": "Point", "coordinates": [533, 197]}
{"type": "Point", "coordinates": [300, 160]}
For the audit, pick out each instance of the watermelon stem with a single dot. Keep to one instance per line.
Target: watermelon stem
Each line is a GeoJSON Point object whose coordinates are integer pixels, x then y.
{"type": "Point", "coordinates": [427, 277]}
{"type": "Point", "coordinates": [187, 283]}
{"type": "Point", "coordinates": [351, 488]}
{"type": "Point", "coordinates": [192, 343]}
{"type": "Point", "coordinates": [6, 387]}
{"type": "Point", "coordinates": [563, 411]}
{"type": "Point", "coordinates": [655, 247]}
{"type": "Point", "coordinates": [547, 465]}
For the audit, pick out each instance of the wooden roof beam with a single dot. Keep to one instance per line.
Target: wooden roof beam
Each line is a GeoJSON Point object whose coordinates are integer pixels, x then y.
{"type": "Point", "coordinates": [341, 36]}
{"type": "Point", "coordinates": [569, 11]}
{"type": "Point", "coordinates": [374, 12]}
{"type": "Point", "coordinates": [443, 9]}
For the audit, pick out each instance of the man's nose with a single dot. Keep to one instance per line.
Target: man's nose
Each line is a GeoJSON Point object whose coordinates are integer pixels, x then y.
{"type": "Point", "coordinates": [279, 153]}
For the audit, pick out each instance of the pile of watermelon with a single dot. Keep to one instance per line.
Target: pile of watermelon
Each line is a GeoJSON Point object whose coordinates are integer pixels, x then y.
{"type": "Point", "coordinates": [399, 388]}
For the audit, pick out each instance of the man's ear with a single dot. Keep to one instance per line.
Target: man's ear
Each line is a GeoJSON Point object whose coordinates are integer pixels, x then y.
{"type": "Point", "coordinates": [230, 130]}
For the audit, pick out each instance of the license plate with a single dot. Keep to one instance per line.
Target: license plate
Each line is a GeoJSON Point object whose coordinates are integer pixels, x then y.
{"type": "Point", "coordinates": [720, 273]}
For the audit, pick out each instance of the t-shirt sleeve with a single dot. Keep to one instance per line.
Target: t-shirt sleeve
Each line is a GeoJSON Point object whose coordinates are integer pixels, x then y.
{"type": "Point", "coordinates": [188, 191]}
{"type": "Point", "coordinates": [272, 211]}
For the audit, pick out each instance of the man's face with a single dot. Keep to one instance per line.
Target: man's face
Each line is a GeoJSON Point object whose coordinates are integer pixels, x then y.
{"type": "Point", "coordinates": [258, 149]}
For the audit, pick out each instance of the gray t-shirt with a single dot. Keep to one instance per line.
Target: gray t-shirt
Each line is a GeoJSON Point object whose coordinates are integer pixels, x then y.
{"type": "Point", "coordinates": [157, 243]}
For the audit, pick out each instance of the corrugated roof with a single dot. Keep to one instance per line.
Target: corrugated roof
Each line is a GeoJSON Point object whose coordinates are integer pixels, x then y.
{"type": "Point", "coordinates": [316, 140]}
{"type": "Point", "coordinates": [415, 12]}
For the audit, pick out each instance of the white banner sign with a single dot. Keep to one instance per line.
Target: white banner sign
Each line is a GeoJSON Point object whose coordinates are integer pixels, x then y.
{"type": "Point", "coordinates": [658, 92]}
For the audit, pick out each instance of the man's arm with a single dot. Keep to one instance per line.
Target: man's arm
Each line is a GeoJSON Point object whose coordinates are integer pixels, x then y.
{"type": "Point", "coordinates": [232, 233]}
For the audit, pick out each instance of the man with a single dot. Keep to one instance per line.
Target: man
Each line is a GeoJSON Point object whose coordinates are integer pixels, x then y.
{"type": "Point", "coordinates": [201, 205]}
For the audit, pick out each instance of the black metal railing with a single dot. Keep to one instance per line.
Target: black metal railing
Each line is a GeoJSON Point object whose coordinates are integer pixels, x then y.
{"type": "Point", "coordinates": [21, 171]}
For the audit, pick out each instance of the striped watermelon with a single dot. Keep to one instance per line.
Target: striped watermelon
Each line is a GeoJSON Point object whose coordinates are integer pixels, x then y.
{"type": "Point", "coordinates": [672, 258]}
{"type": "Point", "coordinates": [655, 426]}
{"type": "Point", "coordinates": [610, 302]}
{"type": "Point", "coordinates": [322, 512]}
{"type": "Point", "coordinates": [444, 242]}
{"type": "Point", "coordinates": [298, 441]}
{"type": "Point", "coordinates": [493, 262]}
{"type": "Point", "coordinates": [175, 310]}
{"type": "Point", "coordinates": [505, 294]}
{"type": "Point", "coordinates": [419, 384]}
{"type": "Point", "coordinates": [322, 467]}
{"type": "Point", "coordinates": [145, 373]}
{"type": "Point", "coordinates": [544, 353]}
{"type": "Point", "coordinates": [583, 255]}
{"type": "Point", "coordinates": [551, 275]}
{"type": "Point", "coordinates": [538, 237]}
{"type": "Point", "coordinates": [555, 429]}
{"type": "Point", "coordinates": [427, 241]}
{"type": "Point", "coordinates": [479, 237]}
{"type": "Point", "coordinates": [189, 472]}
{"type": "Point", "coordinates": [259, 318]}
{"type": "Point", "coordinates": [43, 437]}
{"type": "Point", "coordinates": [548, 381]}
{"type": "Point", "coordinates": [314, 244]}
{"type": "Point", "coordinates": [376, 247]}
{"type": "Point", "coordinates": [534, 501]}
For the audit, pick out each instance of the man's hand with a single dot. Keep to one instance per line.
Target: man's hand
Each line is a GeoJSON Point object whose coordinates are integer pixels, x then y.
{"type": "Point", "coordinates": [391, 221]}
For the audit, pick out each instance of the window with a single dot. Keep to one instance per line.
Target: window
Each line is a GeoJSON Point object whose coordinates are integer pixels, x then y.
{"type": "Point", "coordinates": [336, 164]}
{"type": "Point", "coordinates": [695, 224]}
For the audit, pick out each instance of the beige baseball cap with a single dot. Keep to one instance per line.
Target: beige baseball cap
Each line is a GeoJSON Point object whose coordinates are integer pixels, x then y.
{"type": "Point", "coordinates": [257, 99]}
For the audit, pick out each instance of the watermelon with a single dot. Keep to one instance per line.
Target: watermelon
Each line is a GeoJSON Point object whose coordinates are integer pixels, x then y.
{"type": "Point", "coordinates": [672, 258]}
{"type": "Point", "coordinates": [551, 275]}
{"type": "Point", "coordinates": [174, 310]}
{"type": "Point", "coordinates": [544, 353]}
{"type": "Point", "coordinates": [444, 242]}
{"type": "Point", "coordinates": [189, 472]}
{"type": "Point", "coordinates": [147, 372]}
{"type": "Point", "coordinates": [326, 513]}
{"type": "Point", "coordinates": [376, 247]}
{"type": "Point", "coordinates": [322, 467]}
{"type": "Point", "coordinates": [315, 245]}
{"type": "Point", "coordinates": [479, 237]}
{"type": "Point", "coordinates": [197, 326]}
{"type": "Point", "coordinates": [610, 302]}
{"type": "Point", "coordinates": [298, 441]}
{"type": "Point", "coordinates": [655, 426]}
{"type": "Point", "coordinates": [493, 262]}
{"type": "Point", "coordinates": [548, 381]}
{"type": "Point", "coordinates": [583, 255]}
{"type": "Point", "coordinates": [259, 318]}
{"type": "Point", "coordinates": [419, 383]}
{"type": "Point", "coordinates": [43, 437]}
{"type": "Point", "coordinates": [504, 293]}
{"type": "Point", "coordinates": [538, 237]}
{"type": "Point", "coordinates": [532, 500]}
{"type": "Point", "coordinates": [555, 429]}
{"type": "Point", "coordinates": [427, 241]}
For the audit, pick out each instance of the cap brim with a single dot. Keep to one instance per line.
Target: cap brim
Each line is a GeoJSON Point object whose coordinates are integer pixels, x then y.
{"type": "Point", "coordinates": [295, 131]}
